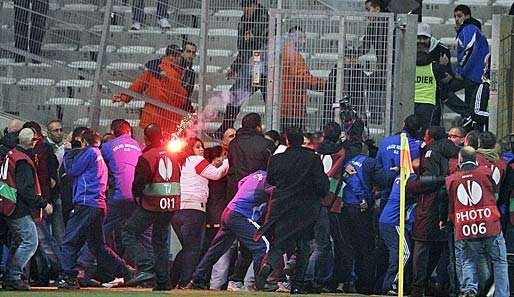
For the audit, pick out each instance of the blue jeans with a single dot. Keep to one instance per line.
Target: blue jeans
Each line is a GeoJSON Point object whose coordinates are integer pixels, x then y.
{"type": "Point", "coordinates": [49, 248]}
{"type": "Point", "coordinates": [323, 248]}
{"type": "Point", "coordinates": [189, 225]}
{"type": "Point", "coordinates": [477, 254]}
{"type": "Point", "coordinates": [23, 246]}
{"type": "Point", "coordinates": [138, 10]}
{"type": "Point", "coordinates": [233, 226]}
{"type": "Point", "coordinates": [391, 234]}
{"type": "Point", "coordinates": [85, 226]}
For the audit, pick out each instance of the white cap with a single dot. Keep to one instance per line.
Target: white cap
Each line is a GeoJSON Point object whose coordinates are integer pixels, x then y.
{"type": "Point", "coordinates": [424, 30]}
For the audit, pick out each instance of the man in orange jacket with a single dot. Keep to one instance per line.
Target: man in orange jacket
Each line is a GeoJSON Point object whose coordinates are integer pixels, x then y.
{"type": "Point", "coordinates": [295, 80]}
{"type": "Point", "coordinates": [163, 83]}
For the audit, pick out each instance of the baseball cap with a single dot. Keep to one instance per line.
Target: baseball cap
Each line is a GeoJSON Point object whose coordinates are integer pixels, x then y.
{"type": "Point", "coordinates": [424, 30]}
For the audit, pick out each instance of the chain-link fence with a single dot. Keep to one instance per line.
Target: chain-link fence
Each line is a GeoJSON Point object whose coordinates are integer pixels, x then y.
{"type": "Point", "coordinates": [88, 62]}
{"type": "Point", "coordinates": [322, 58]}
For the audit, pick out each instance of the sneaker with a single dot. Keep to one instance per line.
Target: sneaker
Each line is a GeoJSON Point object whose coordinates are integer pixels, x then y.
{"type": "Point", "coordinates": [15, 285]}
{"type": "Point", "coordinates": [68, 283]}
{"type": "Point", "coordinates": [136, 26]}
{"type": "Point", "coordinates": [196, 286]}
{"type": "Point", "coordinates": [117, 282]}
{"type": "Point", "coordinates": [284, 287]}
{"type": "Point", "coordinates": [164, 23]}
{"type": "Point", "coordinates": [235, 286]}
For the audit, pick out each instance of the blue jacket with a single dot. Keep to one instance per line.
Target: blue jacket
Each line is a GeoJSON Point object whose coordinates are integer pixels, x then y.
{"type": "Point", "coordinates": [367, 172]}
{"type": "Point", "coordinates": [121, 155]}
{"type": "Point", "coordinates": [472, 49]}
{"type": "Point", "coordinates": [389, 152]}
{"type": "Point", "coordinates": [391, 213]}
{"type": "Point", "coordinates": [89, 174]}
{"type": "Point", "coordinates": [251, 196]}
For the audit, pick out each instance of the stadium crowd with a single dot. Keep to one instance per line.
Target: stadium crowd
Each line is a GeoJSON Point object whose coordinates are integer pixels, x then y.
{"type": "Point", "coordinates": [292, 212]}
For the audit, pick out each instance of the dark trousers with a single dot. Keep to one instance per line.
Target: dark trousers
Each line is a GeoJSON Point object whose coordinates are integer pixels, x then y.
{"type": "Point", "coordinates": [85, 226]}
{"type": "Point", "coordinates": [453, 101]}
{"type": "Point", "coordinates": [303, 250]}
{"type": "Point", "coordinates": [137, 225]}
{"type": "Point", "coordinates": [118, 214]}
{"type": "Point", "coordinates": [241, 264]}
{"type": "Point", "coordinates": [425, 114]}
{"type": "Point", "coordinates": [29, 37]}
{"type": "Point", "coordinates": [138, 10]}
{"type": "Point", "coordinates": [189, 225]}
{"type": "Point", "coordinates": [233, 226]}
{"type": "Point", "coordinates": [425, 259]}
{"type": "Point", "coordinates": [357, 245]}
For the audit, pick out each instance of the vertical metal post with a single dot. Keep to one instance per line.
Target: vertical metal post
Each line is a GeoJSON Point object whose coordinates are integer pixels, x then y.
{"type": "Point", "coordinates": [495, 74]}
{"type": "Point", "coordinates": [276, 73]}
{"type": "Point", "coordinates": [388, 125]}
{"type": "Point", "coordinates": [203, 55]}
{"type": "Point", "coordinates": [404, 69]}
{"type": "Point", "coordinates": [95, 107]}
{"type": "Point", "coordinates": [268, 112]}
{"type": "Point", "coordinates": [341, 45]}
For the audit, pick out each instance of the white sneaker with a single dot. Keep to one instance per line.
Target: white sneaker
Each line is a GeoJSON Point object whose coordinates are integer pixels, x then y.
{"type": "Point", "coordinates": [136, 26]}
{"type": "Point", "coordinates": [117, 282]}
{"type": "Point", "coordinates": [235, 286]}
{"type": "Point", "coordinates": [164, 23]}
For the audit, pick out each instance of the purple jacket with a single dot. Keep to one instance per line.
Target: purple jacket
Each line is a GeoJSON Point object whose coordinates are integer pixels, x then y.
{"type": "Point", "coordinates": [121, 155]}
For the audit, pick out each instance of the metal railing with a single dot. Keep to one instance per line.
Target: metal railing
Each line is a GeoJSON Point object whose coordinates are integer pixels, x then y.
{"type": "Point", "coordinates": [94, 50]}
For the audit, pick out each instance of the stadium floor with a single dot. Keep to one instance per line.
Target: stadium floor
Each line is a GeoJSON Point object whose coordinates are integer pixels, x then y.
{"type": "Point", "coordinates": [131, 292]}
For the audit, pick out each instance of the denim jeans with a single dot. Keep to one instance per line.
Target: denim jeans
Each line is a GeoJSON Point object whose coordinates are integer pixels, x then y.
{"type": "Point", "coordinates": [23, 245]}
{"type": "Point", "coordinates": [85, 226]}
{"type": "Point", "coordinates": [477, 254]}
{"type": "Point", "coordinates": [136, 226]}
{"type": "Point", "coordinates": [189, 225]}
{"type": "Point", "coordinates": [138, 10]}
{"type": "Point", "coordinates": [233, 226]}
{"type": "Point", "coordinates": [57, 221]}
{"type": "Point", "coordinates": [390, 234]}
{"type": "Point", "coordinates": [49, 248]}
{"type": "Point", "coordinates": [323, 248]}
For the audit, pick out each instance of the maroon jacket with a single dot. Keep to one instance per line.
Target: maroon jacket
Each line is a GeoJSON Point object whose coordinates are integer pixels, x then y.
{"type": "Point", "coordinates": [472, 205]}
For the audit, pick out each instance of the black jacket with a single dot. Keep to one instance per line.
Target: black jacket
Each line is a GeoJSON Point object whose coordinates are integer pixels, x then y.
{"type": "Point", "coordinates": [295, 203]}
{"type": "Point", "coordinates": [432, 202]}
{"type": "Point", "coordinates": [247, 153]}
{"type": "Point", "coordinates": [252, 35]}
{"type": "Point", "coordinates": [26, 199]}
{"type": "Point", "coordinates": [217, 201]}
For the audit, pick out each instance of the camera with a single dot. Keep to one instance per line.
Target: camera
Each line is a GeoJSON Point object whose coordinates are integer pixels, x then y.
{"type": "Point", "coordinates": [347, 112]}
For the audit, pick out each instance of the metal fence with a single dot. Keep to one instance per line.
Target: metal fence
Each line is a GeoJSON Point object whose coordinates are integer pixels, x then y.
{"type": "Point", "coordinates": [72, 57]}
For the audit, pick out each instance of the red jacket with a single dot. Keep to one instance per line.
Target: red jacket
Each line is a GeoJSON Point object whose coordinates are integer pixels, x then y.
{"type": "Point", "coordinates": [472, 206]}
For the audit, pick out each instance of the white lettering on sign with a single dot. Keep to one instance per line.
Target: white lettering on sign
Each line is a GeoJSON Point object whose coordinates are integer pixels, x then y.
{"type": "Point", "coordinates": [473, 214]}
{"type": "Point", "coordinates": [167, 203]}
{"type": "Point", "coordinates": [474, 229]}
